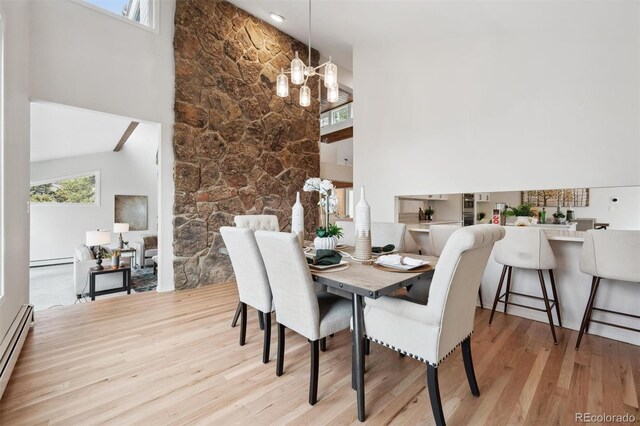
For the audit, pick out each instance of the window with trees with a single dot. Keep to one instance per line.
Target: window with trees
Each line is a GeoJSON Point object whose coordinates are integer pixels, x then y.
{"type": "Point", "coordinates": [138, 11]}
{"type": "Point", "coordinates": [82, 189]}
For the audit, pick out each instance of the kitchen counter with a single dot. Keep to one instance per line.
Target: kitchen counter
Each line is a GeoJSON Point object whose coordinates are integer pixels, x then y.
{"type": "Point", "coordinates": [575, 236]}
{"type": "Point", "coordinates": [424, 226]}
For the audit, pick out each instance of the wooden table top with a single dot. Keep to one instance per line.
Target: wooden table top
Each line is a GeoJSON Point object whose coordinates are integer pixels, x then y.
{"type": "Point", "coordinates": [367, 281]}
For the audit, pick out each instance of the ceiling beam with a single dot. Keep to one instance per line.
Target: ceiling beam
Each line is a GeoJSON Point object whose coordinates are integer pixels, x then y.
{"type": "Point", "coordinates": [125, 136]}
{"type": "Point", "coordinates": [338, 135]}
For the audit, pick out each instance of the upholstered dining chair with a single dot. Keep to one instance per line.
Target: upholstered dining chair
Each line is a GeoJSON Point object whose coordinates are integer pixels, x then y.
{"type": "Point", "coordinates": [314, 315]}
{"type": "Point", "coordinates": [430, 332]}
{"type": "Point", "coordinates": [252, 281]}
{"type": "Point", "coordinates": [382, 233]}
{"type": "Point", "coordinates": [258, 222]}
{"type": "Point", "coordinates": [609, 255]}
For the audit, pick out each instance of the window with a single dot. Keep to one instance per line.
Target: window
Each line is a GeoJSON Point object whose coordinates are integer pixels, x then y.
{"type": "Point", "coordinates": [79, 189]}
{"type": "Point", "coordinates": [337, 115]}
{"type": "Point", "coordinates": [138, 11]}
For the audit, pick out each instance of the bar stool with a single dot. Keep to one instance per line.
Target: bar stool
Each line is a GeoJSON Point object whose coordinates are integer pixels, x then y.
{"type": "Point", "coordinates": [526, 248]}
{"type": "Point", "coordinates": [610, 255]}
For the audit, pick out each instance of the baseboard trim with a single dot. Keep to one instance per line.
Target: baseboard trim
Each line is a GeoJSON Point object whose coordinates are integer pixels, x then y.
{"type": "Point", "coordinates": [12, 344]}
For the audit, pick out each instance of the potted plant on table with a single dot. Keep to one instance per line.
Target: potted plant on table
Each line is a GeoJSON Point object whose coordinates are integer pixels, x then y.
{"type": "Point", "coordinates": [524, 214]}
{"type": "Point", "coordinates": [558, 216]}
{"type": "Point", "coordinates": [327, 235]}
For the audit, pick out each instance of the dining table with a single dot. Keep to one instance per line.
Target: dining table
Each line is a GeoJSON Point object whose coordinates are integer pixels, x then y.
{"type": "Point", "coordinates": [363, 280]}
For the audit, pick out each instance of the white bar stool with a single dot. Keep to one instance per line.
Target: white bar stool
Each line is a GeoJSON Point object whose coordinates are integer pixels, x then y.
{"type": "Point", "coordinates": [526, 248]}
{"type": "Point", "coordinates": [610, 255]}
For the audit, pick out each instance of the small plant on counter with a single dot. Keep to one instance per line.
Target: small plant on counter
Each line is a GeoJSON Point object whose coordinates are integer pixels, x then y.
{"type": "Point", "coordinates": [428, 212]}
{"type": "Point", "coordinates": [525, 209]}
{"type": "Point", "coordinates": [558, 216]}
{"type": "Point", "coordinates": [481, 216]}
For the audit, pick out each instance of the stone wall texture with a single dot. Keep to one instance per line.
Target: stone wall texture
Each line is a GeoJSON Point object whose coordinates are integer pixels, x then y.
{"type": "Point", "coordinates": [239, 148]}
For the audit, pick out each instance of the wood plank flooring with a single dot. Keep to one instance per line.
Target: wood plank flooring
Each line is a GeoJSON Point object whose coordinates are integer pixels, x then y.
{"type": "Point", "coordinates": [173, 359]}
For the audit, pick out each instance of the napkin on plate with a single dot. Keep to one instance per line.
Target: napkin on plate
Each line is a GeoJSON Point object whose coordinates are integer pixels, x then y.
{"type": "Point", "coordinates": [397, 260]}
{"type": "Point", "coordinates": [385, 249]}
{"type": "Point", "coordinates": [325, 258]}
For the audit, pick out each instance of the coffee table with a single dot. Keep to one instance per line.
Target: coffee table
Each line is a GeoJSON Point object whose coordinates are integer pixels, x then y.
{"type": "Point", "coordinates": [126, 280]}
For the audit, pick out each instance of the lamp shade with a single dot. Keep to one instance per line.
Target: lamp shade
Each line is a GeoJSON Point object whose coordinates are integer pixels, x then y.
{"type": "Point", "coordinates": [98, 238]}
{"type": "Point", "coordinates": [120, 227]}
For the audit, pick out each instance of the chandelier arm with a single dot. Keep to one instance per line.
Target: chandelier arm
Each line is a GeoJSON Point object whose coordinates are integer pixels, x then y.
{"type": "Point", "coordinates": [309, 32]}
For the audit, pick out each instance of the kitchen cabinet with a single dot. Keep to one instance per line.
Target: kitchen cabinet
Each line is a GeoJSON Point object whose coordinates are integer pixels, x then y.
{"type": "Point", "coordinates": [482, 196]}
{"type": "Point", "coordinates": [437, 197]}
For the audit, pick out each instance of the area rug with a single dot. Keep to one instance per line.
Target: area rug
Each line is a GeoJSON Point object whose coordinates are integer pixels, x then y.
{"type": "Point", "coordinates": [143, 279]}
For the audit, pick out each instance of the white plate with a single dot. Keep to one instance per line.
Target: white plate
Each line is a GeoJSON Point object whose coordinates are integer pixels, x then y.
{"type": "Point", "coordinates": [323, 267]}
{"type": "Point", "coordinates": [341, 246]}
{"type": "Point", "coordinates": [401, 267]}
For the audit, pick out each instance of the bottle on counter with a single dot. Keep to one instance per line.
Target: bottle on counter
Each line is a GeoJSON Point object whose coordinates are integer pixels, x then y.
{"type": "Point", "coordinates": [543, 216]}
{"type": "Point", "coordinates": [421, 215]}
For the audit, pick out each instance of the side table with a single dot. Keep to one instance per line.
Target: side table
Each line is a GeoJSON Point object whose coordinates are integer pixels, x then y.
{"type": "Point", "coordinates": [126, 280]}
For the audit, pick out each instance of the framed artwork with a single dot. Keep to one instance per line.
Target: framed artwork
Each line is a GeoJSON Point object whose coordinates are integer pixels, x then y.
{"type": "Point", "coordinates": [131, 209]}
{"type": "Point", "coordinates": [572, 197]}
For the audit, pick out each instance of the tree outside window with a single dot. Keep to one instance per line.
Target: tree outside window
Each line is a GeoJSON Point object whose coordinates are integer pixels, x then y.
{"type": "Point", "coordinates": [74, 190]}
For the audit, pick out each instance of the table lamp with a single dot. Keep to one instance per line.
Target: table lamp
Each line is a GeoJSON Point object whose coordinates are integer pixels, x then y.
{"type": "Point", "coordinates": [98, 238]}
{"type": "Point", "coordinates": [119, 228]}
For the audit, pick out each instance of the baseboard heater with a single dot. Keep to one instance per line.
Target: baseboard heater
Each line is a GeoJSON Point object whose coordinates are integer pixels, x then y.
{"type": "Point", "coordinates": [11, 345]}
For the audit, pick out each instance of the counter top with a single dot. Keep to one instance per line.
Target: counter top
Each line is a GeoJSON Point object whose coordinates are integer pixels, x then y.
{"type": "Point", "coordinates": [424, 226]}
{"type": "Point", "coordinates": [576, 236]}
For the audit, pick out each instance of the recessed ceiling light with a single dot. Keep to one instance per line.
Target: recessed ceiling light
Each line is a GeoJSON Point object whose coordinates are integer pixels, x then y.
{"type": "Point", "coordinates": [276, 17]}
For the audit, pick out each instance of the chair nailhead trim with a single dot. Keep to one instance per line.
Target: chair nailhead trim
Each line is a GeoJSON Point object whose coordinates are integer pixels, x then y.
{"type": "Point", "coordinates": [435, 364]}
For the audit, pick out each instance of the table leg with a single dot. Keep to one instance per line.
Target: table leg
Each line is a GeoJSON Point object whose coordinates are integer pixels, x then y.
{"type": "Point", "coordinates": [128, 275]}
{"type": "Point", "coordinates": [92, 287]}
{"type": "Point", "coordinates": [358, 353]}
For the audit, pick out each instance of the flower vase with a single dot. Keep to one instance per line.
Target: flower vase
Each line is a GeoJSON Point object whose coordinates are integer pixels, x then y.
{"type": "Point", "coordinates": [297, 220]}
{"type": "Point", "coordinates": [325, 243]}
{"type": "Point", "coordinates": [363, 228]}
{"type": "Point", "coordinates": [115, 261]}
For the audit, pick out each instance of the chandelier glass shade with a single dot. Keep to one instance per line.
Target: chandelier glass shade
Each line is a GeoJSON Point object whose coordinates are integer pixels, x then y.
{"type": "Point", "coordinates": [300, 74]}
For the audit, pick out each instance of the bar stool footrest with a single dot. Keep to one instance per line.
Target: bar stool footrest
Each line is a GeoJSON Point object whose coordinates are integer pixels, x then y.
{"type": "Point", "coordinates": [552, 303]}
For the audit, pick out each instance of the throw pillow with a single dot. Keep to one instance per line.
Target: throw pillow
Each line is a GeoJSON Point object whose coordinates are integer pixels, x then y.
{"type": "Point", "coordinates": [83, 253]}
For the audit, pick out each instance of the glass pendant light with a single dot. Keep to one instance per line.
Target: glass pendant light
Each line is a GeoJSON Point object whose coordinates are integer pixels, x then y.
{"type": "Point", "coordinates": [297, 70]}
{"type": "Point", "coordinates": [330, 75]}
{"type": "Point", "coordinates": [282, 85]}
{"type": "Point", "coordinates": [333, 93]}
{"type": "Point", "coordinates": [305, 96]}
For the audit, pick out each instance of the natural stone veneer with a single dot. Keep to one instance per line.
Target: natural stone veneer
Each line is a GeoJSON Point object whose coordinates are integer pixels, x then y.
{"type": "Point", "coordinates": [239, 149]}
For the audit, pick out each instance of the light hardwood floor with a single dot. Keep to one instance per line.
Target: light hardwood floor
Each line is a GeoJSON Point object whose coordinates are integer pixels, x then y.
{"type": "Point", "coordinates": [172, 358]}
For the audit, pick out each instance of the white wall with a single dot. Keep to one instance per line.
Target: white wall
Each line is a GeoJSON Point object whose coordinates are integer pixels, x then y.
{"type": "Point", "coordinates": [56, 230]}
{"type": "Point", "coordinates": [625, 214]}
{"type": "Point", "coordinates": [88, 59]}
{"type": "Point", "coordinates": [511, 112]}
{"type": "Point", "coordinates": [15, 160]}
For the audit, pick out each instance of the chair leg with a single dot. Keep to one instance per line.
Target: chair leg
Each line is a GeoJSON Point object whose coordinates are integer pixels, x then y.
{"type": "Point", "coordinates": [367, 346]}
{"type": "Point", "coordinates": [480, 297]}
{"type": "Point", "coordinates": [434, 394]}
{"type": "Point", "coordinates": [595, 282]}
{"type": "Point", "coordinates": [495, 299]}
{"type": "Point", "coordinates": [261, 320]}
{"type": "Point", "coordinates": [266, 345]}
{"type": "Point", "coordinates": [468, 366]}
{"type": "Point", "coordinates": [506, 296]}
{"type": "Point", "coordinates": [243, 323]}
{"type": "Point", "coordinates": [280, 356]}
{"type": "Point", "coordinates": [555, 296]}
{"type": "Point", "coordinates": [547, 307]}
{"type": "Point", "coordinates": [236, 315]}
{"type": "Point", "coordinates": [323, 344]}
{"type": "Point", "coordinates": [315, 368]}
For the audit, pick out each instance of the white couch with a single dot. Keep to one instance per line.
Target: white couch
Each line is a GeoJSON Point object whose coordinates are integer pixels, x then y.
{"type": "Point", "coordinates": [83, 260]}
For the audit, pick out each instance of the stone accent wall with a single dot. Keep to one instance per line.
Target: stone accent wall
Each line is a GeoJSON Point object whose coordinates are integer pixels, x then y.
{"type": "Point", "coordinates": [239, 149]}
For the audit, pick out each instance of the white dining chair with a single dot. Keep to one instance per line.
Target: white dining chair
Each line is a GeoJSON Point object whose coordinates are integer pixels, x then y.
{"type": "Point", "coordinates": [612, 255]}
{"type": "Point", "coordinates": [251, 279]}
{"type": "Point", "coordinates": [257, 222]}
{"type": "Point", "coordinates": [526, 247]}
{"type": "Point", "coordinates": [314, 315]}
{"type": "Point", "coordinates": [438, 237]}
{"type": "Point", "coordinates": [429, 333]}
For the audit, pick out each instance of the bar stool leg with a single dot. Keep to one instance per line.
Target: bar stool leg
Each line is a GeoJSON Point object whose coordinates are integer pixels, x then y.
{"type": "Point", "coordinates": [555, 296]}
{"type": "Point", "coordinates": [595, 282]}
{"type": "Point", "coordinates": [546, 304]}
{"type": "Point", "coordinates": [480, 297]}
{"type": "Point", "coordinates": [495, 299]}
{"type": "Point", "coordinates": [243, 323]}
{"type": "Point", "coordinates": [506, 296]}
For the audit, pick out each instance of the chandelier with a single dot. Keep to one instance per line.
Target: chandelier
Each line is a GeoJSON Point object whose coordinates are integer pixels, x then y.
{"type": "Point", "coordinates": [300, 74]}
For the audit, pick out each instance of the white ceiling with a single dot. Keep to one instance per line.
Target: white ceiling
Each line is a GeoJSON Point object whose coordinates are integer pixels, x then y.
{"type": "Point", "coordinates": [60, 131]}
{"type": "Point", "coordinates": [338, 25]}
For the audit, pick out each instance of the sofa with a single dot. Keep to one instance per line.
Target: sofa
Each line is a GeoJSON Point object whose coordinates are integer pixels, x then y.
{"type": "Point", "coordinates": [146, 248]}
{"type": "Point", "coordinates": [83, 260]}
